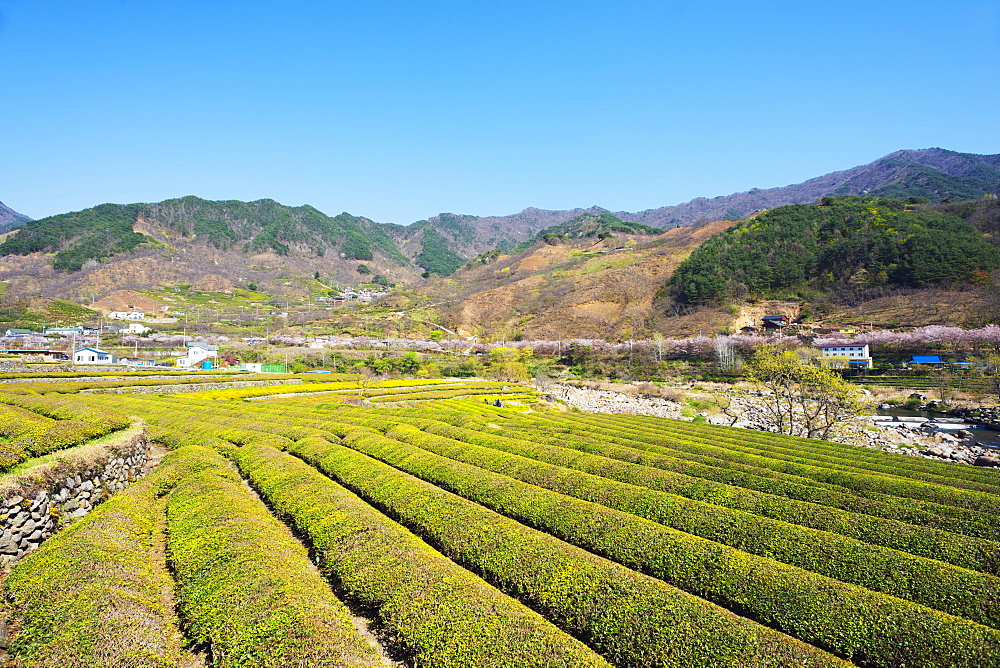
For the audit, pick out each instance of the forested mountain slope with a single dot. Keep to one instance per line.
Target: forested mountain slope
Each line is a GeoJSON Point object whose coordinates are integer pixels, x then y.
{"type": "Point", "coordinates": [855, 241]}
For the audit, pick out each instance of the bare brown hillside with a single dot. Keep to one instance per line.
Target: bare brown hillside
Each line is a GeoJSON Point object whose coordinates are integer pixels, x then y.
{"type": "Point", "coordinates": [576, 289]}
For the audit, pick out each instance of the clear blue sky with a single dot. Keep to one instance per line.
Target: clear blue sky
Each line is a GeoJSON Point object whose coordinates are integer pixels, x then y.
{"type": "Point", "coordinates": [401, 110]}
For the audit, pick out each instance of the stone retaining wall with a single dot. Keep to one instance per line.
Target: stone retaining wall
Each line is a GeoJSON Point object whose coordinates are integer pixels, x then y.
{"type": "Point", "coordinates": [35, 507]}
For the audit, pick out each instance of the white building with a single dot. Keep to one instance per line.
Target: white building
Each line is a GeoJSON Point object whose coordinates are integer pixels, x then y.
{"type": "Point", "coordinates": [136, 328]}
{"type": "Point", "coordinates": [93, 356]}
{"type": "Point", "coordinates": [198, 352]}
{"type": "Point", "coordinates": [127, 315]}
{"type": "Point", "coordinates": [853, 355]}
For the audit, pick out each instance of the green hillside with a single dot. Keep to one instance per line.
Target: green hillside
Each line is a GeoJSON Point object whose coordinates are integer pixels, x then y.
{"type": "Point", "coordinates": [262, 226]}
{"type": "Point", "coordinates": [856, 241]}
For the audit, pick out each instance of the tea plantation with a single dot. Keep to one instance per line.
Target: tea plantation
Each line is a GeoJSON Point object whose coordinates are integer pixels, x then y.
{"type": "Point", "coordinates": [447, 524]}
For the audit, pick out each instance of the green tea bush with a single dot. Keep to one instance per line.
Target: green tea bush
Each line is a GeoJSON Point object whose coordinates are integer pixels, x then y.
{"type": "Point", "coordinates": [245, 586]}
{"type": "Point", "coordinates": [961, 550]}
{"type": "Point", "coordinates": [442, 615]}
{"type": "Point", "coordinates": [853, 622]}
{"type": "Point", "coordinates": [957, 591]}
{"type": "Point", "coordinates": [628, 617]}
{"type": "Point", "coordinates": [92, 594]}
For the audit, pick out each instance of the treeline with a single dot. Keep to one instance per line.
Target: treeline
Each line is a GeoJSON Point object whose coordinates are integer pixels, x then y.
{"type": "Point", "coordinates": [857, 241]}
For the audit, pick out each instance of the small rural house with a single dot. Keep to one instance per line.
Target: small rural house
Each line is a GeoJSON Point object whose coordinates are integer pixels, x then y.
{"type": "Point", "coordinates": [137, 328]}
{"type": "Point", "coordinates": [852, 355]}
{"type": "Point", "coordinates": [775, 323]}
{"type": "Point", "coordinates": [18, 333]}
{"type": "Point", "coordinates": [127, 315]}
{"type": "Point", "coordinates": [928, 360]}
{"type": "Point", "coordinates": [64, 331]}
{"type": "Point", "coordinates": [44, 355]}
{"type": "Point", "coordinates": [90, 355]}
{"type": "Point", "coordinates": [198, 352]}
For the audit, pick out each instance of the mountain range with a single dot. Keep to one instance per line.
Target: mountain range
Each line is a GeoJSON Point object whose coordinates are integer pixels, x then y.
{"type": "Point", "coordinates": [221, 245]}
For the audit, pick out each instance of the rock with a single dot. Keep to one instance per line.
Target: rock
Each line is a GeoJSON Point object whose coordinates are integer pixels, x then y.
{"type": "Point", "coordinates": [87, 486]}
{"type": "Point", "coordinates": [984, 460]}
{"type": "Point", "coordinates": [36, 537]}
{"type": "Point", "coordinates": [14, 501]}
{"type": "Point", "coordinates": [8, 545]}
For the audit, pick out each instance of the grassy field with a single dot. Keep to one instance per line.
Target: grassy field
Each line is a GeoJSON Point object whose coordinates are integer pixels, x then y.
{"type": "Point", "coordinates": [463, 524]}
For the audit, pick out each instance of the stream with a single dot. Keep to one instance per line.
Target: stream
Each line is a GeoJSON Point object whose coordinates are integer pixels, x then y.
{"type": "Point", "coordinates": [989, 438]}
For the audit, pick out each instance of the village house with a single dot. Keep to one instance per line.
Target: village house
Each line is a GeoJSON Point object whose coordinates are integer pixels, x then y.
{"type": "Point", "coordinates": [198, 353]}
{"type": "Point", "coordinates": [137, 328]}
{"type": "Point", "coordinates": [775, 323]}
{"type": "Point", "coordinates": [43, 355]}
{"type": "Point", "coordinates": [849, 355]}
{"type": "Point", "coordinates": [928, 360]}
{"type": "Point", "coordinates": [90, 355]}
{"type": "Point", "coordinates": [18, 333]}
{"type": "Point", "coordinates": [64, 331]}
{"type": "Point", "coordinates": [127, 315]}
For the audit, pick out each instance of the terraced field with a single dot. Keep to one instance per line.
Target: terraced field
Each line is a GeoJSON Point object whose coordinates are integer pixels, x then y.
{"type": "Point", "coordinates": [446, 523]}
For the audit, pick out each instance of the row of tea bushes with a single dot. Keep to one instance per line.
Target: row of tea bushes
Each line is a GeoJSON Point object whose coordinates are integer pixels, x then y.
{"type": "Point", "coordinates": [853, 622]}
{"type": "Point", "coordinates": [966, 551]}
{"type": "Point", "coordinates": [787, 453]}
{"type": "Point", "coordinates": [442, 615]}
{"type": "Point", "coordinates": [63, 408]}
{"type": "Point", "coordinates": [828, 453]}
{"type": "Point", "coordinates": [92, 594]}
{"type": "Point", "coordinates": [954, 590]}
{"type": "Point", "coordinates": [30, 433]}
{"type": "Point", "coordinates": [611, 444]}
{"type": "Point", "coordinates": [630, 618]}
{"type": "Point", "coordinates": [863, 483]}
{"type": "Point", "coordinates": [245, 586]}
